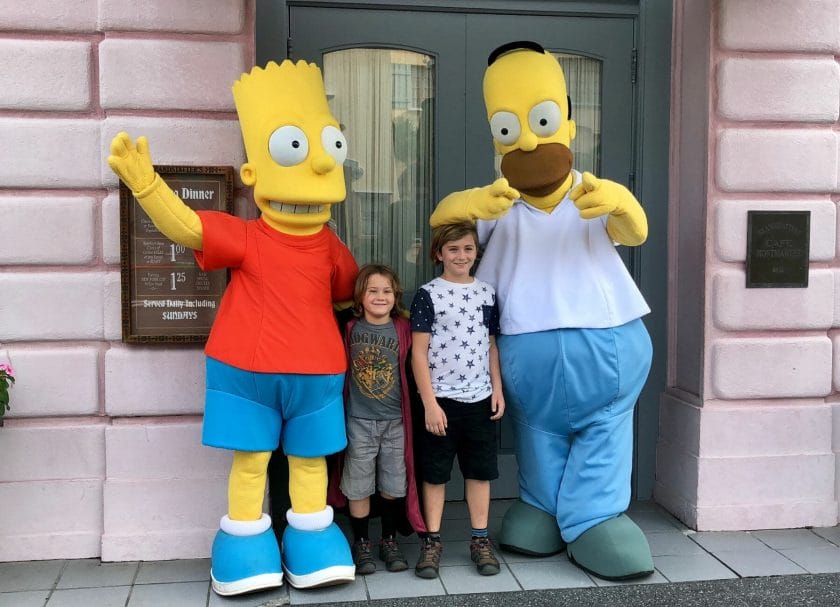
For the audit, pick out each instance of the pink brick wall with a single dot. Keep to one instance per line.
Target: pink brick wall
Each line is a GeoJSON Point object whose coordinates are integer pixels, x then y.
{"type": "Point", "coordinates": [101, 451]}
{"type": "Point", "coordinates": [124, 475]}
{"type": "Point", "coordinates": [764, 439]}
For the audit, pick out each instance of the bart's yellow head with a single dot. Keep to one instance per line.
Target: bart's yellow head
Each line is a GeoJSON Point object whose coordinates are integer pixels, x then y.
{"type": "Point", "coordinates": [529, 114]}
{"type": "Point", "coordinates": [294, 146]}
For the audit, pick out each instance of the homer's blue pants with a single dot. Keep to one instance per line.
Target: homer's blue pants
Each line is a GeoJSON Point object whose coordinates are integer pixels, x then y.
{"type": "Point", "coordinates": [570, 394]}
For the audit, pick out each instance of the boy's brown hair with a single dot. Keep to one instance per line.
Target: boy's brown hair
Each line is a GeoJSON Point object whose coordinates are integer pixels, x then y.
{"type": "Point", "coordinates": [365, 272]}
{"type": "Point", "coordinates": [447, 233]}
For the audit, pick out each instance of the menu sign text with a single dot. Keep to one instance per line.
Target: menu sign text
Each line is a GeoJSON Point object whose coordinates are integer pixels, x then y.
{"type": "Point", "coordinates": [166, 297]}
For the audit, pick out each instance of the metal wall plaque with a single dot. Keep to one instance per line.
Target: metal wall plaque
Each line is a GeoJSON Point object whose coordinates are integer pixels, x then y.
{"type": "Point", "coordinates": [166, 297]}
{"type": "Point", "coordinates": [778, 248]}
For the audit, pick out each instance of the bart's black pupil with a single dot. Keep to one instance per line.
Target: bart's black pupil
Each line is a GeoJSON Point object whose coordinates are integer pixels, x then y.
{"type": "Point", "coordinates": [295, 144]}
{"type": "Point", "coordinates": [504, 131]}
{"type": "Point", "coordinates": [543, 121]}
{"type": "Point", "coordinates": [338, 144]}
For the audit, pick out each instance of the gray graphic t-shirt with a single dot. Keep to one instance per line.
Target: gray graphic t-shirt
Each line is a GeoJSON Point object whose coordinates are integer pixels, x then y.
{"type": "Point", "coordinates": [374, 372]}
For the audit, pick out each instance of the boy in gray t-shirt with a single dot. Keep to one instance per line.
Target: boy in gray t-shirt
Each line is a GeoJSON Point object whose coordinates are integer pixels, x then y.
{"type": "Point", "coordinates": [377, 409]}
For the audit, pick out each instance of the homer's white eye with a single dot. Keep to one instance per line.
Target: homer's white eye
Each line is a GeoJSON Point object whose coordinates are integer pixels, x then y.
{"type": "Point", "coordinates": [505, 127]}
{"type": "Point", "coordinates": [288, 146]}
{"type": "Point", "coordinates": [334, 143]}
{"type": "Point", "coordinates": [544, 118]}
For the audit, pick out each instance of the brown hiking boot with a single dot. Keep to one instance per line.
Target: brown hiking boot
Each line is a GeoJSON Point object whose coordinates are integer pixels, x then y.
{"type": "Point", "coordinates": [362, 557]}
{"type": "Point", "coordinates": [481, 553]}
{"type": "Point", "coordinates": [389, 551]}
{"type": "Point", "coordinates": [429, 561]}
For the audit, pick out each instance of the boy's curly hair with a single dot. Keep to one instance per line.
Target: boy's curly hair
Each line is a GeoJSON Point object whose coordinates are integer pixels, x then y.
{"type": "Point", "coordinates": [365, 272]}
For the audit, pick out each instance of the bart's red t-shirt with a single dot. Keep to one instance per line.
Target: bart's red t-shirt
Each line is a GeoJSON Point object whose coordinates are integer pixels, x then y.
{"type": "Point", "coordinates": [276, 315]}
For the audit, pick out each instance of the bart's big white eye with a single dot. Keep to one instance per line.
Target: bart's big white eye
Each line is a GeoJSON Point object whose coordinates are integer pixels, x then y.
{"type": "Point", "coordinates": [334, 143]}
{"type": "Point", "coordinates": [288, 146]}
{"type": "Point", "coordinates": [505, 127]}
{"type": "Point", "coordinates": [544, 118]}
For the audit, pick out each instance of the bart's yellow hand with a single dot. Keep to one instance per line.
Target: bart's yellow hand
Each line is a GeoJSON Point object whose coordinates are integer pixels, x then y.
{"type": "Point", "coordinates": [627, 223]}
{"type": "Point", "coordinates": [489, 202]}
{"type": "Point", "coordinates": [132, 164]}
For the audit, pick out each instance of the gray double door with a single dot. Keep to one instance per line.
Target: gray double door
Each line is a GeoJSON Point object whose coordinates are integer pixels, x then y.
{"type": "Point", "coordinates": [437, 64]}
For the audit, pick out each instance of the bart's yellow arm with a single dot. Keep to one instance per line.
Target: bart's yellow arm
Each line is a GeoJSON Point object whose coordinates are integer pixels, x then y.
{"type": "Point", "coordinates": [133, 165]}
{"type": "Point", "coordinates": [627, 222]}
{"type": "Point", "coordinates": [489, 202]}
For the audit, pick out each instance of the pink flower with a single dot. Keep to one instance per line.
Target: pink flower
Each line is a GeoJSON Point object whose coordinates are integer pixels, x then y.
{"type": "Point", "coordinates": [7, 369]}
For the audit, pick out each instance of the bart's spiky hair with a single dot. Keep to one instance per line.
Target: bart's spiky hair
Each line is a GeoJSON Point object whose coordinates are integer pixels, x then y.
{"type": "Point", "coordinates": [288, 88]}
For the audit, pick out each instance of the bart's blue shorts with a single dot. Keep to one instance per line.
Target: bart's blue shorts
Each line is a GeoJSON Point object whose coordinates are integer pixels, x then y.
{"type": "Point", "coordinates": [248, 411]}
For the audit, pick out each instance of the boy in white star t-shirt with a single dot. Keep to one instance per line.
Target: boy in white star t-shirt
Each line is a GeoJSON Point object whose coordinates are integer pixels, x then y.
{"type": "Point", "coordinates": [454, 321]}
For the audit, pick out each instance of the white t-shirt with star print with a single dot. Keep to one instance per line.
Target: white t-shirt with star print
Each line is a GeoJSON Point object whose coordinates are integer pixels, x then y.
{"type": "Point", "coordinates": [461, 318]}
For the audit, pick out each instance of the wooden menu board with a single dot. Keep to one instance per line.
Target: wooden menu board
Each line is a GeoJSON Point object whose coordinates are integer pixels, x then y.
{"type": "Point", "coordinates": [166, 297]}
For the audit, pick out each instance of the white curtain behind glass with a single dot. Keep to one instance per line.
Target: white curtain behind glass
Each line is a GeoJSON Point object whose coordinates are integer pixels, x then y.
{"type": "Point", "coordinates": [583, 81]}
{"type": "Point", "coordinates": [384, 99]}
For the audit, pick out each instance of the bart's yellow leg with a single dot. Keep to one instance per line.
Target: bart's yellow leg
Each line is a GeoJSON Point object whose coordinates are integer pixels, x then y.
{"type": "Point", "coordinates": [308, 484]}
{"type": "Point", "coordinates": [246, 485]}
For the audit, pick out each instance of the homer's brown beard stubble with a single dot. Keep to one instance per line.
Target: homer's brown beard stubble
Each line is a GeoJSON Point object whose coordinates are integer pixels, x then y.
{"type": "Point", "coordinates": [539, 172]}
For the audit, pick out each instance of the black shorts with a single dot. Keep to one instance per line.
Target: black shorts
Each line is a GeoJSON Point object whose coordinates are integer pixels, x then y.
{"type": "Point", "coordinates": [470, 434]}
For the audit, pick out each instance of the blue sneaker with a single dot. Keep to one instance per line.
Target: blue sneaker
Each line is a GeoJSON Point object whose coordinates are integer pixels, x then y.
{"type": "Point", "coordinates": [317, 558]}
{"type": "Point", "coordinates": [243, 564]}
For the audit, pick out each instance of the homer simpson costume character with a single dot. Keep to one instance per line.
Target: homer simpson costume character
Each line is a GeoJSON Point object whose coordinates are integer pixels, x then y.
{"type": "Point", "coordinates": [275, 360]}
{"type": "Point", "coordinates": [574, 352]}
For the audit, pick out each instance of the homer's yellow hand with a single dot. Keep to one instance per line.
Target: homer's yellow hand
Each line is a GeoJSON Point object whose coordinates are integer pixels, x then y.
{"type": "Point", "coordinates": [627, 223]}
{"type": "Point", "coordinates": [489, 202]}
{"type": "Point", "coordinates": [133, 165]}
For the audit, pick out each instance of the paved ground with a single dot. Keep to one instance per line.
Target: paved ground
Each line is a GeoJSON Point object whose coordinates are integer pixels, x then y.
{"type": "Point", "coordinates": [784, 591]}
{"type": "Point", "coordinates": [787, 568]}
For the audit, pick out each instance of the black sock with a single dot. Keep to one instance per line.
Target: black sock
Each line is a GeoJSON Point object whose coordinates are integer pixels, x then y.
{"type": "Point", "coordinates": [390, 514]}
{"type": "Point", "coordinates": [360, 528]}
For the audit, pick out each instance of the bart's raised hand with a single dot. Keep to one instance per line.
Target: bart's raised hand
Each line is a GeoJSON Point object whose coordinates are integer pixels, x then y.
{"type": "Point", "coordinates": [132, 164]}
{"type": "Point", "coordinates": [488, 202]}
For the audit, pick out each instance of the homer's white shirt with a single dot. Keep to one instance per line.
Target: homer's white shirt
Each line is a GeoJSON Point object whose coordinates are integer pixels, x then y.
{"type": "Point", "coordinates": [556, 270]}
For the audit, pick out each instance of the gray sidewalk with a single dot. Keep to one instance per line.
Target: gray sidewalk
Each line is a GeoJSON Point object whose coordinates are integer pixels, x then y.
{"type": "Point", "coordinates": [774, 567]}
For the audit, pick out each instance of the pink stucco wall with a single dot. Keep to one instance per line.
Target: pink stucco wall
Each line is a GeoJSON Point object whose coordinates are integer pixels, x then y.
{"type": "Point", "coordinates": [101, 453]}
{"type": "Point", "coordinates": [756, 446]}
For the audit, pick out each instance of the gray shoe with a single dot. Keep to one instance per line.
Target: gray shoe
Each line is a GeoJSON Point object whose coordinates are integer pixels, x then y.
{"type": "Point", "coordinates": [429, 561]}
{"type": "Point", "coordinates": [481, 553]}
{"type": "Point", "coordinates": [362, 557]}
{"type": "Point", "coordinates": [389, 551]}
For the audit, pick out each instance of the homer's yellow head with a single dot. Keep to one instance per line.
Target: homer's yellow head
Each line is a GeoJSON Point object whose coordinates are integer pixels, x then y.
{"type": "Point", "coordinates": [530, 119]}
{"type": "Point", "coordinates": [294, 146]}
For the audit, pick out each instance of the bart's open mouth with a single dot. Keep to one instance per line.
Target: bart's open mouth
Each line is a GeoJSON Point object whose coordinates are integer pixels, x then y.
{"type": "Point", "coordinates": [296, 209]}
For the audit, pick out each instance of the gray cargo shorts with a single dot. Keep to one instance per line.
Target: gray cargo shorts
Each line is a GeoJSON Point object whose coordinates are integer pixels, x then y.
{"type": "Point", "coordinates": [375, 458]}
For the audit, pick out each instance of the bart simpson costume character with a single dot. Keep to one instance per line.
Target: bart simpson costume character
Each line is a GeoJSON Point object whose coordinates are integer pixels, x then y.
{"type": "Point", "coordinates": [574, 352]}
{"type": "Point", "coordinates": [275, 359]}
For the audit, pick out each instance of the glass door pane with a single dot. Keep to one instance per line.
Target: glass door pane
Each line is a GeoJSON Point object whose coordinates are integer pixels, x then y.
{"type": "Point", "coordinates": [583, 81]}
{"type": "Point", "coordinates": [384, 100]}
